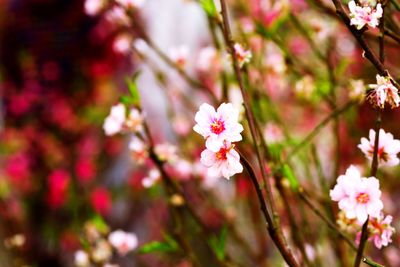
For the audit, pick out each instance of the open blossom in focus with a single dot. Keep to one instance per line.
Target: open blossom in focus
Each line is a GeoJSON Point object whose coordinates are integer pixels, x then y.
{"type": "Point", "coordinates": [358, 197]}
{"type": "Point", "coordinates": [138, 149]}
{"type": "Point", "coordinates": [93, 7]}
{"type": "Point", "coordinates": [115, 121]}
{"type": "Point", "coordinates": [179, 55]}
{"type": "Point", "coordinates": [387, 149]}
{"type": "Point", "coordinates": [123, 242]}
{"type": "Point", "coordinates": [383, 91]}
{"type": "Point", "coordinates": [224, 162]}
{"type": "Point", "coordinates": [218, 126]}
{"type": "Point", "coordinates": [153, 176]}
{"type": "Point", "coordinates": [381, 231]}
{"type": "Point", "coordinates": [242, 56]}
{"type": "Point", "coordinates": [364, 15]}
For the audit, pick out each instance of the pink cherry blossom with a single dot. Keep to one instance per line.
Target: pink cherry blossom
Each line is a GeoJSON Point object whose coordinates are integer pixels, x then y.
{"type": "Point", "coordinates": [388, 147]}
{"type": "Point", "coordinates": [114, 123]}
{"type": "Point", "coordinates": [208, 60]}
{"type": "Point", "coordinates": [93, 7]}
{"type": "Point", "coordinates": [122, 44]}
{"type": "Point", "coordinates": [358, 197]}
{"type": "Point", "coordinates": [218, 126]}
{"type": "Point", "coordinates": [381, 231]}
{"type": "Point", "coordinates": [123, 242]}
{"type": "Point", "coordinates": [225, 162]}
{"type": "Point", "coordinates": [153, 176]}
{"type": "Point", "coordinates": [242, 56]}
{"type": "Point", "coordinates": [179, 55]}
{"type": "Point", "coordinates": [166, 152]}
{"type": "Point", "coordinates": [383, 91]}
{"type": "Point", "coordinates": [138, 150]}
{"type": "Point", "coordinates": [364, 15]}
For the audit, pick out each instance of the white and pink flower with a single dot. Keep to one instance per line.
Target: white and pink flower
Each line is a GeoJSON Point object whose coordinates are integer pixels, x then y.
{"type": "Point", "coordinates": [131, 3]}
{"type": "Point", "coordinates": [364, 15]}
{"type": "Point", "coordinates": [358, 197]}
{"type": "Point", "coordinates": [243, 56]}
{"type": "Point", "coordinates": [388, 148]}
{"type": "Point", "coordinates": [138, 150]}
{"type": "Point", "coordinates": [114, 122]}
{"type": "Point", "coordinates": [381, 231]}
{"type": "Point", "coordinates": [218, 126]}
{"type": "Point", "coordinates": [383, 91]}
{"type": "Point", "coordinates": [166, 152]}
{"type": "Point", "coordinates": [93, 7]}
{"type": "Point", "coordinates": [179, 55]}
{"type": "Point", "coordinates": [123, 242]}
{"type": "Point", "coordinates": [224, 162]}
{"type": "Point", "coordinates": [153, 176]}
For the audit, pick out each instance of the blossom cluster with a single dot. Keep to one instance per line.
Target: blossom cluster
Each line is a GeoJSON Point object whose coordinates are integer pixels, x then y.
{"type": "Point", "coordinates": [100, 245]}
{"type": "Point", "coordinates": [359, 198]}
{"type": "Point", "coordinates": [221, 129]}
{"type": "Point", "coordinates": [365, 14]}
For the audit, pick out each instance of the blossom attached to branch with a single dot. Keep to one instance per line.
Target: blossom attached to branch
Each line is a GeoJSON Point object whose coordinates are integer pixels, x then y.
{"type": "Point", "coordinates": [364, 15]}
{"type": "Point", "coordinates": [123, 242]}
{"type": "Point", "coordinates": [218, 126]}
{"type": "Point", "coordinates": [358, 197]}
{"type": "Point", "coordinates": [242, 56]}
{"type": "Point", "coordinates": [225, 162]}
{"type": "Point", "coordinates": [383, 91]}
{"type": "Point", "coordinates": [387, 149]}
{"type": "Point", "coordinates": [381, 231]}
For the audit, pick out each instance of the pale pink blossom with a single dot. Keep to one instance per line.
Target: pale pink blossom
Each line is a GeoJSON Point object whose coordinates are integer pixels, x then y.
{"type": "Point", "coordinates": [134, 121]}
{"type": "Point", "coordinates": [179, 55]}
{"type": "Point", "coordinates": [305, 87]}
{"type": "Point", "coordinates": [381, 231]}
{"type": "Point", "coordinates": [183, 169]}
{"type": "Point", "coordinates": [181, 124]}
{"type": "Point", "coordinates": [364, 15]}
{"type": "Point", "coordinates": [123, 242]}
{"type": "Point", "coordinates": [81, 259]}
{"type": "Point", "coordinates": [208, 60]}
{"type": "Point", "coordinates": [383, 91]}
{"type": "Point", "coordinates": [224, 162]}
{"type": "Point", "coordinates": [122, 44]}
{"type": "Point", "coordinates": [117, 15]}
{"type": "Point", "coordinates": [138, 149]}
{"type": "Point", "coordinates": [358, 197]}
{"type": "Point", "coordinates": [166, 152]}
{"type": "Point", "coordinates": [131, 3]}
{"type": "Point", "coordinates": [388, 147]}
{"type": "Point", "coordinates": [93, 7]}
{"type": "Point", "coordinates": [242, 56]}
{"type": "Point", "coordinates": [272, 133]}
{"type": "Point", "coordinates": [218, 126]}
{"type": "Point", "coordinates": [153, 176]}
{"type": "Point", "coordinates": [357, 90]}
{"type": "Point", "coordinates": [114, 122]}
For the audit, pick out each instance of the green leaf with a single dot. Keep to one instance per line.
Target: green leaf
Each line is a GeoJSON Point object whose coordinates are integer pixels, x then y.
{"type": "Point", "coordinates": [288, 173]}
{"type": "Point", "coordinates": [169, 245]}
{"type": "Point", "coordinates": [217, 243]}
{"type": "Point", "coordinates": [100, 224]}
{"type": "Point", "coordinates": [134, 98]}
{"type": "Point", "coordinates": [209, 7]}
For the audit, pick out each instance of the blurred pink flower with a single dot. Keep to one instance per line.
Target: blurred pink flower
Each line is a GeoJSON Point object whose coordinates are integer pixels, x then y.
{"type": "Point", "coordinates": [123, 242]}
{"type": "Point", "coordinates": [358, 197]}
{"type": "Point", "coordinates": [101, 200]}
{"type": "Point", "coordinates": [225, 162]}
{"type": "Point", "coordinates": [387, 149]}
{"type": "Point", "coordinates": [381, 231]}
{"type": "Point", "coordinates": [153, 176]}
{"type": "Point", "coordinates": [85, 170]}
{"type": "Point", "coordinates": [383, 91]}
{"type": "Point", "coordinates": [131, 3]}
{"type": "Point", "coordinates": [138, 149]}
{"type": "Point", "coordinates": [166, 152]}
{"type": "Point", "coordinates": [58, 182]}
{"type": "Point", "coordinates": [218, 126]}
{"type": "Point", "coordinates": [364, 15]}
{"type": "Point", "coordinates": [93, 7]}
{"type": "Point", "coordinates": [179, 55]}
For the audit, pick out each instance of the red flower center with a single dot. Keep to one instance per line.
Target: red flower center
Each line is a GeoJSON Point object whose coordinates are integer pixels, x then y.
{"type": "Point", "coordinates": [362, 198]}
{"type": "Point", "coordinates": [221, 154]}
{"type": "Point", "coordinates": [217, 126]}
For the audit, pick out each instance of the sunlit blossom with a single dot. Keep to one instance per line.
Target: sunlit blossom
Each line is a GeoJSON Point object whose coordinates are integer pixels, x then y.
{"type": "Point", "coordinates": [358, 197]}
{"type": "Point", "coordinates": [224, 162]}
{"type": "Point", "coordinates": [388, 148]}
{"type": "Point", "coordinates": [218, 126]}
{"type": "Point", "coordinates": [364, 15]}
{"type": "Point", "coordinates": [123, 242]}
{"type": "Point", "coordinates": [243, 56]}
{"type": "Point", "coordinates": [115, 121]}
{"type": "Point", "coordinates": [383, 92]}
{"type": "Point", "coordinates": [381, 231]}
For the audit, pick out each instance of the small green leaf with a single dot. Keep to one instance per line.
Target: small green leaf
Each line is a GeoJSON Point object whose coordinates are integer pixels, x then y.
{"type": "Point", "coordinates": [218, 243]}
{"type": "Point", "coordinates": [288, 173]}
{"type": "Point", "coordinates": [209, 7]}
{"type": "Point", "coordinates": [134, 98]}
{"type": "Point", "coordinates": [100, 224]}
{"type": "Point", "coordinates": [157, 246]}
